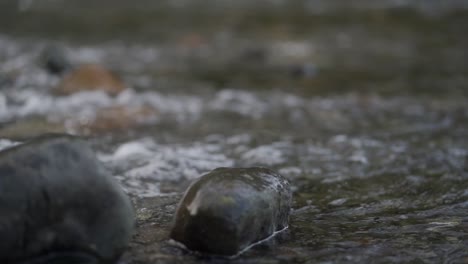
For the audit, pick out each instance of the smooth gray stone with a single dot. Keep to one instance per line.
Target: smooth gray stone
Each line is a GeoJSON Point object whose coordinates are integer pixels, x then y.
{"type": "Point", "coordinates": [229, 209]}
{"type": "Point", "coordinates": [56, 197]}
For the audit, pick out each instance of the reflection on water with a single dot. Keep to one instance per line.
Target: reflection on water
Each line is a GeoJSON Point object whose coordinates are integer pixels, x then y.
{"type": "Point", "coordinates": [361, 105]}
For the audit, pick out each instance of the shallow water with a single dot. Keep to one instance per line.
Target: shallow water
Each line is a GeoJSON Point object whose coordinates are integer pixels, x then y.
{"type": "Point", "coordinates": [362, 107]}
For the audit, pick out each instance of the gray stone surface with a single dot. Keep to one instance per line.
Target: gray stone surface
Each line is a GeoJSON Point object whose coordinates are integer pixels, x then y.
{"type": "Point", "coordinates": [56, 200]}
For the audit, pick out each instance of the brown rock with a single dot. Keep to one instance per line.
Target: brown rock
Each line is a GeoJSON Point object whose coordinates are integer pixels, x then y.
{"type": "Point", "coordinates": [192, 41]}
{"type": "Point", "coordinates": [118, 118]}
{"type": "Point", "coordinates": [90, 77]}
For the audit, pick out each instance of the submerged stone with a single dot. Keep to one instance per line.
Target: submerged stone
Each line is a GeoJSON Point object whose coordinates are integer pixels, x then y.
{"type": "Point", "coordinates": [229, 209]}
{"type": "Point", "coordinates": [59, 205]}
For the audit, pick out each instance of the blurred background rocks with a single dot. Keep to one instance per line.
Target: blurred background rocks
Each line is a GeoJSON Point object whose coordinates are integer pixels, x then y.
{"type": "Point", "coordinates": [386, 46]}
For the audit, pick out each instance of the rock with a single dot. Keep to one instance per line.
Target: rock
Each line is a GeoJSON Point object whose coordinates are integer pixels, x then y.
{"type": "Point", "coordinates": [229, 209]}
{"type": "Point", "coordinates": [29, 128]}
{"type": "Point", "coordinates": [59, 205]}
{"type": "Point", "coordinates": [118, 118]}
{"type": "Point", "coordinates": [192, 41]}
{"type": "Point", "coordinates": [54, 59]}
{"type": "Point", "coordinates": [90, 77]}
{"type": "Point", "coordinates": [303, 71]}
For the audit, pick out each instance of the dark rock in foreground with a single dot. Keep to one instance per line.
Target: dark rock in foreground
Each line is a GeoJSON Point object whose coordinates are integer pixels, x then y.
{"type": "Point", "coordinates": [59, 205]}
{"type": "Point", "coordinates": [229, 209]}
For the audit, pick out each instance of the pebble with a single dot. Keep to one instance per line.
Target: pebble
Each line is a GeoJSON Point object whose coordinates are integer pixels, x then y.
{"type": "Point", "coordinates": [90, 77]}
{"type": "Point", "coordinates": [227, 210]}
{"type": "Point", "coordinates": [54, 59]}
{"type": "Point", "coordinates": [59, 205]}
{"type": "Point", "coordinates": [118, 118]}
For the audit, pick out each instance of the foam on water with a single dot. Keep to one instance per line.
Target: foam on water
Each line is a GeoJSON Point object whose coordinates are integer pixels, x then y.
{"type": "Point", "coordinates": [241, 102]}
{"type": "Point", "coordinates": [27, 93]}
{"type": "Point", "coordinates": [5, 144]}
{"type": "Point", "coordinates": [266, 155]}
{"type": "Point", "coordinates": [141, 165]}
{"type": "Point", "coordinates": [85, 106]}
{"type": "Point", "coordinates": [326, 129]}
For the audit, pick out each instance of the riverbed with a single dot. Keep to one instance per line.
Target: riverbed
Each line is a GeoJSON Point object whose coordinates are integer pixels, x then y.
{"type": "Point", "coordinates": [362, 106]}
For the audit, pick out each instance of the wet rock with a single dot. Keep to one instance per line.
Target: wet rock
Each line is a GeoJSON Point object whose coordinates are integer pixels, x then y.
{"type": "Point", "coordinates": [90, 77]}
{"type": "Point", "coordinates": [29, 128]}
{"type": "Point", "coordinates": [54, 59]}
{"type": "Point", "coordinates": [229, 209]}
{"type": "Point", "coordinates": [59, 205]}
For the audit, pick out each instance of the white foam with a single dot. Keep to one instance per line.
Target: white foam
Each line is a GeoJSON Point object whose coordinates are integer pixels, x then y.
{"type": "Point", "coordinates": [267, 155]}
{"type": "Point", "coordinates": [143, 164]}
{"type": "Point", "coordinates": [338, 202]}
{"type": "Point", "coordinates": [359, 156]}
{"type": "Point", "coordinates": [6, 143]}
{"type": "Point", "coordinates": [84, 106]}
{"type": "Point", "coordinates": [130, 150]}
{"type": "Point", "coordinates": [240, 102]}
{"type": "Point", "coordinates": [290, 172]}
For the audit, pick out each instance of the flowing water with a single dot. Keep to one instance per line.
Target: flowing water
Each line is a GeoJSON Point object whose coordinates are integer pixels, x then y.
{"type": "Point", "coordinates": [362, 106]}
